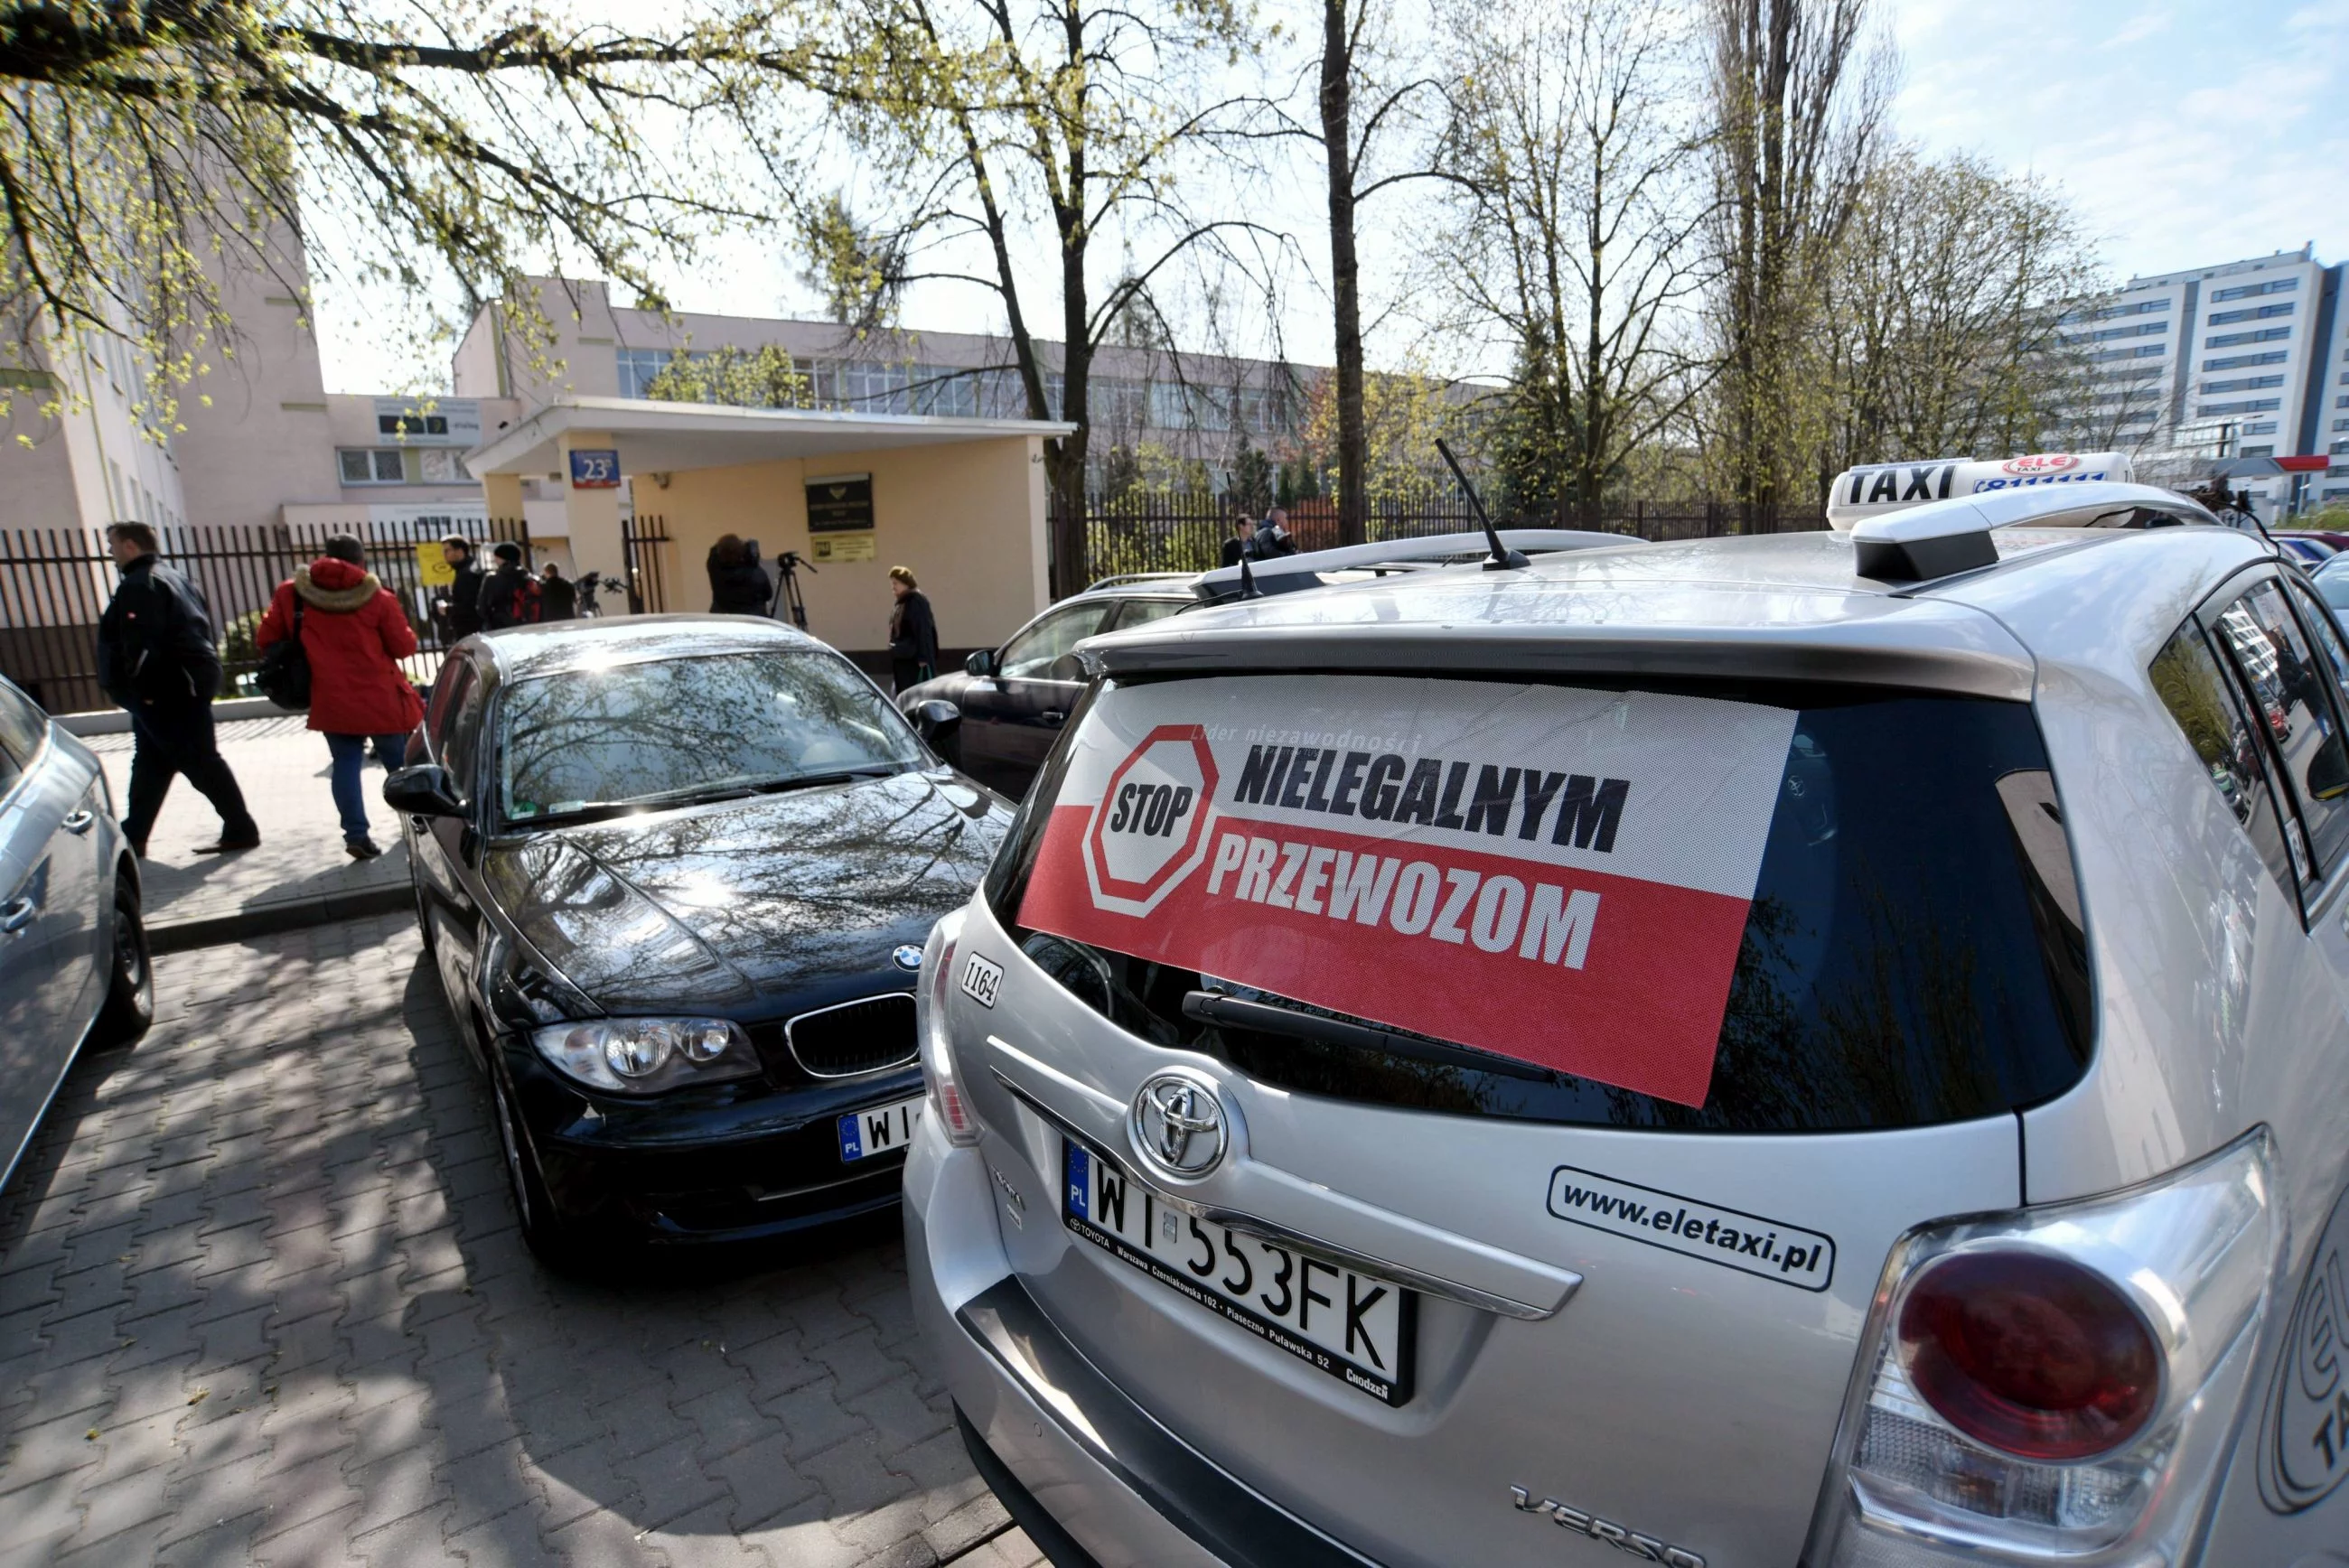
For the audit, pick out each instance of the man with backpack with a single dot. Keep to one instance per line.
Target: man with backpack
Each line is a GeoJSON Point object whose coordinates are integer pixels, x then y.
{"type": "Point", "coordinates": [510, 597]}
{"type": "Point", "coordinates": [352, 633]}
{"type": "Point", "coordinates": [156, 658]}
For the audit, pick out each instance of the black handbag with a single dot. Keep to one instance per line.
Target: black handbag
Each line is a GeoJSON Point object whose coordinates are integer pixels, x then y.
{"type": "Point", "coordinates": [284, 676]}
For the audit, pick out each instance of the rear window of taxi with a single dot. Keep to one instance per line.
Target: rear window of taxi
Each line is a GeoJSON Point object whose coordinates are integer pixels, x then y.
{"type": "Point", "coordinates": [1913, 953]}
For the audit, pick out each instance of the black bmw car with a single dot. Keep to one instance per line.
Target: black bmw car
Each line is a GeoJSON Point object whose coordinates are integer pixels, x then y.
{"type": "Point", "coordinates": [674, 872]}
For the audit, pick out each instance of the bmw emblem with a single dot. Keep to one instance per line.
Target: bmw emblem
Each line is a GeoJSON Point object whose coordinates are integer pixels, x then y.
{"type": "Point", "coordinates": [907, 957]}
{"type": "Point", "coordinates": [1179, 1125]}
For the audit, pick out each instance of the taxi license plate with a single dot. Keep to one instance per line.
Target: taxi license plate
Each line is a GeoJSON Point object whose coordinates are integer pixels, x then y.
{"type": "Point", "coordinates": [884, 1129]}
{"type": "Point", "coordinates": [1352, 1326]}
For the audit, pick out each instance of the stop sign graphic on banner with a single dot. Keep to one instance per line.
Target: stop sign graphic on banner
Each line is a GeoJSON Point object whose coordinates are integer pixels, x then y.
{"type": "Point", "coordinates": [1150, 828]}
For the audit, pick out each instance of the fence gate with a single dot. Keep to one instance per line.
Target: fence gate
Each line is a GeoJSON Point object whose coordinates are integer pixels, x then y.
{"type": "Point", "coordinates": [55, 583]}
{"type": "Point", "coordinates": [645, 541]}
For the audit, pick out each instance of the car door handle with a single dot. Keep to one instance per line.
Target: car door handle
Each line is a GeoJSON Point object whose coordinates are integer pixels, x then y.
{"type": "Point", "coordinates": [80, 822]}
{"type": "Point", "coordinates": [16, 914]}
{"type": "Point", "coordinates": [1053, 716]}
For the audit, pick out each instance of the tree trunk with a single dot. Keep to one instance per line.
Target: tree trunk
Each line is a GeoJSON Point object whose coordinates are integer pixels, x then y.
{"type": "Point", "coordinates": [1345, 273]}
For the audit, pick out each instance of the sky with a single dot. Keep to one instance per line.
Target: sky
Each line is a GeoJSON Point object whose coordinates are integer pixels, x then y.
{"type": "Point", "coordinates": [2187, 135]}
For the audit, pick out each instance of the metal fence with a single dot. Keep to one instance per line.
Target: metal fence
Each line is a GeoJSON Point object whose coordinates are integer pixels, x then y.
{"type": "Point", "coordinates": [645, 542]}
{"type": "Point", "coordinates": [55, 583]}
{"type": "Point", "coordinates": [1185, 532]}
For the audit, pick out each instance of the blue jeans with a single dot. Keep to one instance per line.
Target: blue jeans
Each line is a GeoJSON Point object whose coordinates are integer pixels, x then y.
{"type": "Point", "coordinates": [350, 758]}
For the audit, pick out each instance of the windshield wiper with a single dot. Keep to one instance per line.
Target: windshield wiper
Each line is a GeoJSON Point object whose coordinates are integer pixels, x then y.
{"type": "Point", "coordinates": [701, 795]}
{"type": "Point", "coordinates": [837, 776]}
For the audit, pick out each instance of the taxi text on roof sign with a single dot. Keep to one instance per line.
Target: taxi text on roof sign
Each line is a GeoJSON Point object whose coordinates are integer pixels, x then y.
{"type": "Point", "coordinates": [1876, 487]}
{"type": "Point", "coordinates": [1556, 875]}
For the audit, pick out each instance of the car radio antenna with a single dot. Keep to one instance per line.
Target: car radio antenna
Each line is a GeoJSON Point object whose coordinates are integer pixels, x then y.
{"type": "Point", "coordinates": [1503, 559]}
{"type": "Point", "coordinates": [1248, 590]}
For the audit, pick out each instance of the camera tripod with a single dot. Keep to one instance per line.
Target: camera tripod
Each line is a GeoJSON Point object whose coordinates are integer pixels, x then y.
{"type": "Point", "coordinates": [787, 589]}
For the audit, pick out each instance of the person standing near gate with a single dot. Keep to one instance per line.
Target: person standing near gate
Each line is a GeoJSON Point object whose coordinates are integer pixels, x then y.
{"type": "Point", "coordinates": [459, 610]}
{"type": "Point", "coordinates": [1242, 542]}
{"type": "Point", "coordinates": [355, 634]}
{"type": "Point", "coordinates": [510, 597]}
{"type": "Point", "coordinates": [558, 597]}
{"type": "Point", "coordinates": [912, 633]}
{"type": "Point", "coordinates": [156, 659]}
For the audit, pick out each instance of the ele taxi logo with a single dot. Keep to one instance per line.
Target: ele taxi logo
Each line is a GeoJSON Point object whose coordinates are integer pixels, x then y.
{"type": "Point", "coordinates": [2042, 463]}
{"type": "Point", "coordinates": [1150, 828]}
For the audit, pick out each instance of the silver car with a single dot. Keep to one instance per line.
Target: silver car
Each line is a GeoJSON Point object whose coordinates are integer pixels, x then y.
{"type": "Point", "coordinates": [1830, 1048]}
{"type": "Point", "coordinates": [73, 952]}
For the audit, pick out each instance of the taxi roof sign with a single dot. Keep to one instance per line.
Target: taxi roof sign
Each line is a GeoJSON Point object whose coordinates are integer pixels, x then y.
{"type": "Point", "coordinates": [1874, 488]}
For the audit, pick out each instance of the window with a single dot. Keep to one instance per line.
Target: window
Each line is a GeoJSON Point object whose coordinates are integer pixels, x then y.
{"type": "Point", "coordinates": [2148, 351]}
{"type": "Point", "coordinates": [2237, 361]}
{"type": "Point", "coordinates": [373, 465]}
{"type": "Point", "coordinates": [1851, 1007]}
{"type": "Point", "coordinates": [2106, 313]}
{"type": "Point", "coordinates": [2258, 452]}
{"type": "Point", "coordinates": [2108, 333]}
{"type": "Point", "coordinates": [2188, 678]}
{"type": "Point", "coordinates": [2242, 384]}
{"type": "Point", "coordinates": [441, 465]}
{"type": "Point", "coordinates": [448, 691]}
{"type": "Point", "coordinates": [2288, 691]}
{"type": "Point", "coordinates": [2230, 339]}
{"type": "Point", "coordinates": [1142, 612]}
{"type": "Point", "coordinates": [411, 423]}
{"type": "Point", "coordinates": [460, 742]}
{"type": "Point", "coordinates": [1032, 653]}
{"type": "Point", "coordinates": [2260, 427]}
{"type": "Point", "coordinates": [679, 729]}
{"type": "Point", "coordinates": [2252, 291]}
{"type": "Point", "coordinates": [2249, 406]}
{"type": "Point", "coordinates": [23, 728]}
{"type": "Point", "coordinates": [2226, 317]}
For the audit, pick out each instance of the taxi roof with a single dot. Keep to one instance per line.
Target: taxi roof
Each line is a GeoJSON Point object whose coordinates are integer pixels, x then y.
{"type": "Point", "coordinates": [1788, 606]}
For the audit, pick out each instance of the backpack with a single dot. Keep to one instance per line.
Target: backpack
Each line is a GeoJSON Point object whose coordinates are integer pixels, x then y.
{"type": "Point", "coordinates": [527, 607]}
{"type": "Point", "coordinates": [284, 676]}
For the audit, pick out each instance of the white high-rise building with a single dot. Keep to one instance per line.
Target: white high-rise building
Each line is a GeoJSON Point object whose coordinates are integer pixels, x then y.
{"type": "Point", "coordinates": [2248, 359]}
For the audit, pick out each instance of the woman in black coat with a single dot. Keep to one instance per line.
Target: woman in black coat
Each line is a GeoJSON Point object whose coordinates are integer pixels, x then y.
{"type": "Point", "coordinates": [912, 633]}
{"type": "Point", "coordinates": [736, 586]}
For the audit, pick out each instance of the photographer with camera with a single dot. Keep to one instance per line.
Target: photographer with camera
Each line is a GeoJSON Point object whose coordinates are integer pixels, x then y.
{"type": "Point", "coordinates": [736, 586]}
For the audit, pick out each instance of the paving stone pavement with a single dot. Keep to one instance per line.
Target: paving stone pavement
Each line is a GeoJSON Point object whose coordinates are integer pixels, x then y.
{"type": "Point", "coordinates": [261, 1302]}
{"type": "Point", "coordinates": [281, 769]}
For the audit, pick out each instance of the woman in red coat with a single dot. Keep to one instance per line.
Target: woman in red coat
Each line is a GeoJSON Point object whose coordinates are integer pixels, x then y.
{"type": "Point", "coordinates": [355, 634]}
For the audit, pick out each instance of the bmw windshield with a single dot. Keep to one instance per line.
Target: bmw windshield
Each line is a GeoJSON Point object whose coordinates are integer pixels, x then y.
{"type": "Point", "coordinates": [588, 741]}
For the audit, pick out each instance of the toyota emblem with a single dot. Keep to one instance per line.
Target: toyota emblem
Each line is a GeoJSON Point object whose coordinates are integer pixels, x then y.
{"type": "Point", "coordinates": [1179, 1126]}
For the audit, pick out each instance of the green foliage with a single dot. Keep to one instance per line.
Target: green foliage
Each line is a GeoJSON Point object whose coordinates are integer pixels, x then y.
{"type": "Point", "coordinates": [150, 151]}
{"type": "Point", "coordinates": [762, 378]}
{"type": "Point", "coordinates": [1251, 486]}
{"type": "Point", "coordinates": [859, 271]}
{"type": "Point", "coordinates": [1298, 481]}
{"type": "Point", "coordinates": [238, 648]}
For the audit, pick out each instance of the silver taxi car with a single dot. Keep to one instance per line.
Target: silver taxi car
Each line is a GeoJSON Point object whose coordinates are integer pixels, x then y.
{"type": "Point", "coordinates": [1829, 1049]}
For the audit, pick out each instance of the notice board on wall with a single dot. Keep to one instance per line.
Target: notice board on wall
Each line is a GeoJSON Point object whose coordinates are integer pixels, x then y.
{"type": "Point", "coordinates": [841, 503]}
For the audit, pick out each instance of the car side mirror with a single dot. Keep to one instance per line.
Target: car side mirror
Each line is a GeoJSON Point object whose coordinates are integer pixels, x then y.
{"type": "Point", "coordinates": [936, 719]}
{"type": "Point", "coordinates": [981, 663]}
{"type": "Point", "coordinates": [424, 791]}
{"type": "Point", "coordinates": [2328, 770]}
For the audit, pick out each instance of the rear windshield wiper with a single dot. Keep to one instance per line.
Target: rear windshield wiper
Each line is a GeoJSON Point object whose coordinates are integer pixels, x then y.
{"type": "Point", "coordinates": [1268, 1018]}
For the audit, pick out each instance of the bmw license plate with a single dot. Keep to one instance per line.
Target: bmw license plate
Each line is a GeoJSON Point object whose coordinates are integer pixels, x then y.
{"type": "Point", "coordinates": [1352, 1326]}
{"type": "Point", "coordinates": [884, 1129]}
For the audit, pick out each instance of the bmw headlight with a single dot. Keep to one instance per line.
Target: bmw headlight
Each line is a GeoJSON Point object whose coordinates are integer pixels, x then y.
{"type": "Point", "coordinates": [647, 1056]}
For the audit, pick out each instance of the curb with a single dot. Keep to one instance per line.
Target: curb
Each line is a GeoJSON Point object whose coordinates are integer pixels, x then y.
{"type": "Point", "coordinates": [115, 721]}
{"type": "Point", "coordinates": [268, 919]}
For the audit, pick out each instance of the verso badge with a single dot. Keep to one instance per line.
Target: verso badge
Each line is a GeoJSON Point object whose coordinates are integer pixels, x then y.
{"type": "Point", "coordinates": [981, 979]}
{"type": "Point", "coordinates": [1178, 1125]}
